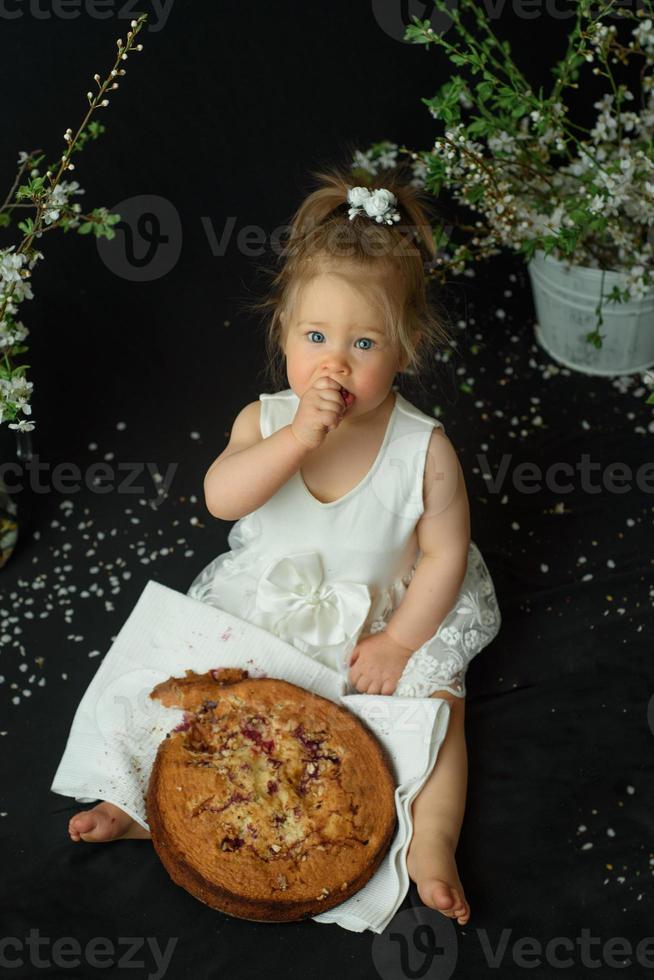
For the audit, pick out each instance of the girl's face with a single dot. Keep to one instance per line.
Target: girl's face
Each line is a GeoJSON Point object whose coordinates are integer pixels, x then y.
{"type": "Point", "coordinates": [337, 333]}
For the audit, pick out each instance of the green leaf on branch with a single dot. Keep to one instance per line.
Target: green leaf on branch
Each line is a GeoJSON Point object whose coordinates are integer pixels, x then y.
{"type": "Point", "coordinates": [27, 226]}
{"type": "Point", "coordinates": [480, 127]}
{"type": "Point", "coordinates": [5, 219]}
{"type": "Point", "coordinates": [595, 339]}
{"type": "Point", "coordinates": [475, 193]}
{"type": "Point", "coordinates": [549, 244]}
{"type": "Point", "coordinates": [484, 89]}
{"type": "Point", "coordinates": [102, 230]}
{"type": "Point", "coordinates": [416, 32]}
{"type": "Point", "coordinates": [100, 224]}
{"type": "Point", "coordinates": [92, 131]}
{"type": "Point", "coordinates": [528, 248]}
{"type": "Point", "coordinates": [33, 189]}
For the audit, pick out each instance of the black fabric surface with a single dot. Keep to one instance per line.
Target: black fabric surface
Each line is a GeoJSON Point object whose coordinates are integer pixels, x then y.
{"type": "Point", "coordinates": [225, 117]}
{"type": "Point", "coordinates": [557, 709]}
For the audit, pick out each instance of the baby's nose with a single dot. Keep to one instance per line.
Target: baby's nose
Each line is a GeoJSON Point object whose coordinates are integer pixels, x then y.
{"type": "Point", "coordinates": [336, 365]}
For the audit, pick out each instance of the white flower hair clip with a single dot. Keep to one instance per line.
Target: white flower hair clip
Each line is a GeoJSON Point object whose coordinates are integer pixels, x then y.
{"type": "Point", "coordinates": [378, 205]}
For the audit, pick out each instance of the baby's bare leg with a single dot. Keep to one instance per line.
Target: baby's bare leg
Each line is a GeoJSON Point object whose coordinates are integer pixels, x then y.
{"type": "Point", "coordinates": [437, 817]}
{"type": "Point", "coordinates": [105, 822]}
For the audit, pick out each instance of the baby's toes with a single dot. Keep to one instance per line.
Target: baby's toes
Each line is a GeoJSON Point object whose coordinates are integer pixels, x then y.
{"type": "Point", "coordinates": [104, 822]}
{"type": "Point", "coordinates": [81, 823]}
{"type": "Point", "coordinates": [464, 916]}
{"type": "Point", "coordinates": [459, 906]}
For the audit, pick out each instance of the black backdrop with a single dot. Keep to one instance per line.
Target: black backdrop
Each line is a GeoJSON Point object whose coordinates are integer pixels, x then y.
{"type": "Point", "coordinates": [222, 116]}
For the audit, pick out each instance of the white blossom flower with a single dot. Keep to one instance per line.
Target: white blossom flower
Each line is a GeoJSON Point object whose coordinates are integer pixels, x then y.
{"type": "Point", "coordinates": [10, 265]}
{"type": "Point", "coordinates": [643, 34]}
{"type": "Point", "coordinates": [419, 170]}
{"type": "Point", "coordinates": [22, 425]}
{"type": "Point", "coordinates": [59, 198]}
{"type": "Point", "coordinates": [388, 157]}
{"type": "Point", "coordinates": [501, 142]}
{"type": "Point", "coordinates": [596, 204]}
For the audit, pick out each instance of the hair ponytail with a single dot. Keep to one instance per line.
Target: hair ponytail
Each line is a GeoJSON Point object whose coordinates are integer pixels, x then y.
{"type": "Point", "coordinates": [367, 254]}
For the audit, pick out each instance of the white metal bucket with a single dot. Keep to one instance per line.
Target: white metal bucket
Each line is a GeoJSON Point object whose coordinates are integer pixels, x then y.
{"type": "Point", "coordinates": [566, 296]}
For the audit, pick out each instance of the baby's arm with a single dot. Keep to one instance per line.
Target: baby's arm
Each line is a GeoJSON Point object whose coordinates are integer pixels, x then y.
{"type": "Point", "coordinates": [378, 661]}
{"type": "Point", "coordinates": [443, 538]}
{"type": "Point", "coordinates": [250, 469]}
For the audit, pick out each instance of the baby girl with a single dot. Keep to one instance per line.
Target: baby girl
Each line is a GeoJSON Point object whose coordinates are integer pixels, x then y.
{"type": "Point", "coordinates": [352, 539]}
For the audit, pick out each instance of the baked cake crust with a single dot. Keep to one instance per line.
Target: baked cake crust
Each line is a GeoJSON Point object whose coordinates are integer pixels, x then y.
{"type": "Point", "coordinates": [268, 802]}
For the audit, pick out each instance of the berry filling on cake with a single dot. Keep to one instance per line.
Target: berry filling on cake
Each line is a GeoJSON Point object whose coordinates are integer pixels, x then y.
{"type": "Point", "coordinates": [347, 396]}
{"type": "Point", "coordinates": [265, 780]}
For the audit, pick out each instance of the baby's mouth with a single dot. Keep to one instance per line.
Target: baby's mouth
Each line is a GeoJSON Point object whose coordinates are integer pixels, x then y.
{"type": "Point", "coordinates": [347, 396]}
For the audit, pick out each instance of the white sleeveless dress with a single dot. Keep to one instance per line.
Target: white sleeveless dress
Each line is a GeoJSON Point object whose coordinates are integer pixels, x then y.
{"type": "Point", "coordinates": [323, 575]}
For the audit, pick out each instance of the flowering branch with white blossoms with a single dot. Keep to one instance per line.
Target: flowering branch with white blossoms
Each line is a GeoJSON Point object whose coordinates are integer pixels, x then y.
{"type": "Point", "coordinates": [49, 196]}
{"type": "Point", "coordinates": [532, 177]}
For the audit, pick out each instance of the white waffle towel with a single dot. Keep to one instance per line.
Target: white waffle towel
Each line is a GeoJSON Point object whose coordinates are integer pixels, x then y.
{"type": "Point", "coordinates": [117, 728]}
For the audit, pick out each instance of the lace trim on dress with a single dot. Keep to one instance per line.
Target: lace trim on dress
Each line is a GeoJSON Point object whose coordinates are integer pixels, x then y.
{"type": "Point", "coordinates": [472, 623]}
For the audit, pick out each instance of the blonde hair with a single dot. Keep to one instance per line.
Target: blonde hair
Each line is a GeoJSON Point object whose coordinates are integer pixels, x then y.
{"type": "Point", "coordinates": [385, 263]}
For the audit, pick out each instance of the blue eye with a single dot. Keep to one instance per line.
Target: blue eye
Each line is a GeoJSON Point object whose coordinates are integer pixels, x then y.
{"type": "Point", "coordinates": [312, 332]}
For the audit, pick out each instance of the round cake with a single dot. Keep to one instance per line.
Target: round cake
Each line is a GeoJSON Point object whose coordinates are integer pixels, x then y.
{"type": "Point", "coordinates": [268, 802]}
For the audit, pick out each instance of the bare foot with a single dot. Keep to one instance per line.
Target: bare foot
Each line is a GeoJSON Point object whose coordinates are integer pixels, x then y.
{"type": "Point", "coordinates": [105, 822]}
{"type": "Point", "coordinates": [431, 864]}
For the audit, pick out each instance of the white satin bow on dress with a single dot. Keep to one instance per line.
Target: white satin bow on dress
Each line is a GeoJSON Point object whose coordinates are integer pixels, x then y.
{"type": "Point", "coordinates": [294, 601]}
